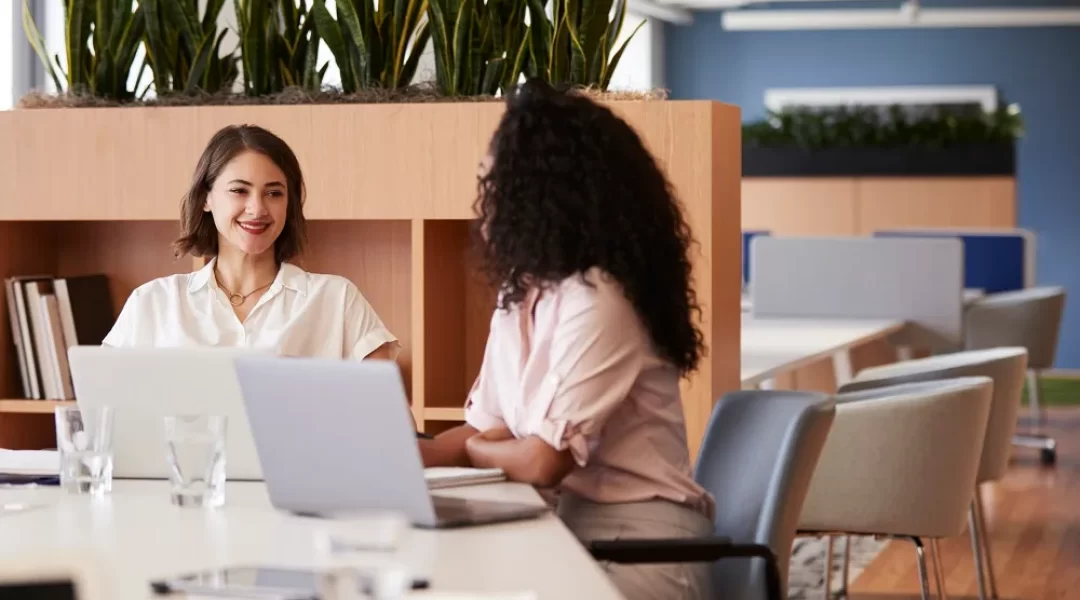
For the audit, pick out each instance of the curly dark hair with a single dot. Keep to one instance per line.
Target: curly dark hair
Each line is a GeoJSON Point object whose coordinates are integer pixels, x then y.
{"type": "Point", "coordinates": [571, 186]}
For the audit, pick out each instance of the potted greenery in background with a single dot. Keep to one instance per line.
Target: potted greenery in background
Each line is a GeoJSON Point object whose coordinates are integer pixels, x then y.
{"type": "Point", "coordinates": [481, 48]}
{"type": "Point", "coordinates": [893, 140]}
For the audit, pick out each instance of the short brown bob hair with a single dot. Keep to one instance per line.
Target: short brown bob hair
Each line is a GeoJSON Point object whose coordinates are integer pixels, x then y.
{"type": "Point", "coordinates": [199, 236]}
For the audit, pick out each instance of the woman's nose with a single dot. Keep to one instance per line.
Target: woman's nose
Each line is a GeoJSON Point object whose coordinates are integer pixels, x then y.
{"type": "Point", "coordinates": [256, 205]}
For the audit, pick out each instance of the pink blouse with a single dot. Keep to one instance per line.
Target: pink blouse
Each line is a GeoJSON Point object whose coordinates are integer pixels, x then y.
{"type": "Point", "coordinates": [581, 374]}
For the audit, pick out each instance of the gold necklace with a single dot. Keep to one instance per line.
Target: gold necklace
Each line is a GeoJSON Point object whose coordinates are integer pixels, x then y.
{"type": "Point", "coordinates": [238, 299]}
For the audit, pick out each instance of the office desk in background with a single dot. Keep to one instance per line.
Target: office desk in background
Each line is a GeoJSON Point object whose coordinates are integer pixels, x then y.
{"type": "Point", "coordinates": [969, 295]}
{"type": "Point", "coordinates": [141, 537]}
{"type": "Point", "coordinates": [771, 348]}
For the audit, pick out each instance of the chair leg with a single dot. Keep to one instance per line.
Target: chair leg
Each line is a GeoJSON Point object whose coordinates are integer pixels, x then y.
{"type": "Point", "coordinates": [976, 550]}
{"type": "Point", "coordinates": [828, 567]}
{"type": "Point", "coordinates": [985, 538]}
{"type": "Point", "coordinates": [939, 570]}
{"type": "Point", "coordinates": [924, 578]}
{"type": "Point", "coordinates": [1038, 416]}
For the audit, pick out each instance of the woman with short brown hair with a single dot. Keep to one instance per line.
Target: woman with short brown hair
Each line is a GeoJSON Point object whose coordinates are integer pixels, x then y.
{"type": "Point", "coordinates": [244, 211]}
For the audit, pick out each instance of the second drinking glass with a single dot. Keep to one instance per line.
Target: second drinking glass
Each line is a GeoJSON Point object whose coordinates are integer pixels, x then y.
{"type": "Point", "coordinates": [195, 451]}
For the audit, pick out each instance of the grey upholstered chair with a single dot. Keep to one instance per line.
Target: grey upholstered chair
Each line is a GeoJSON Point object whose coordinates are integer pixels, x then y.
{"type": "Point", "coordinates": [901, 461]}
{"type": "Point", "coordinates": [1030, 318]}
{"type": "Point", "coordinates": [758, 456]}
{"type": "Point", "coordinates": [1006, 367]}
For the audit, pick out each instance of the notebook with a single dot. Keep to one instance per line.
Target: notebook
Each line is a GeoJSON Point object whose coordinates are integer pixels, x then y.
{"type": "Point", "coordinates": [29, 466]}
{"type": "Point", "coordinates": [446, 477]}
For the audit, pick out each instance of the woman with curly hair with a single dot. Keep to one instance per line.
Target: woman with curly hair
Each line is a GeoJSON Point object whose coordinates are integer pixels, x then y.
{"type": "Point", "coordinates": [579, 386]}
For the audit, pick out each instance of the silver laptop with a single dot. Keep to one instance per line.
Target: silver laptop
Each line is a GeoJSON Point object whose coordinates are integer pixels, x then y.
{"type": "Point", "coordinates": [335, 437]}
{"type": "Point", "coordinates": [144, 385]}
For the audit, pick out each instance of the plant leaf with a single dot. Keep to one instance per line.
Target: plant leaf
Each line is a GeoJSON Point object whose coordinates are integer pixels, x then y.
{"type": "Point", "coordinates": [37, 41]}
{"type": "Point", "coordinates": [198, 67]}
{"type": "Point", "coordinates": [408, 71]}
{"type": "Point", "coordinates": [330, 32]}
{"type": "Point", "coordinates": [463, 29]}
{"type": "Point", "coordinates": [542, 38]}
{"type": "Point", "coordinates": [348, 16]}
{"type": "Point", "coordinates": [441, 42]}
{"type": "Point", "coordinates": [614, 63]}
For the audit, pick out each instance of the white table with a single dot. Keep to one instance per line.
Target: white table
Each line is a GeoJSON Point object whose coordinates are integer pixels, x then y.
{"type": "Point", "coordinates": [969, 295]}
{"type": "Point", "coordinates": [771, 347]}
{"type": "Point", "coordinates": [140, 536]}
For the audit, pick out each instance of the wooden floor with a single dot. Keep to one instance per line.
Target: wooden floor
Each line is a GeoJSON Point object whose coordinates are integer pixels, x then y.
{"type": "Point", "coordinates": [1033, 516]}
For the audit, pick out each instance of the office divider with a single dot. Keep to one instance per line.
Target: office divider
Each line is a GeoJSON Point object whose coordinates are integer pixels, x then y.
{"type": "Point", "coordinates": [917, 280]}
{"type": "Point", "coordinates": [995, 260]}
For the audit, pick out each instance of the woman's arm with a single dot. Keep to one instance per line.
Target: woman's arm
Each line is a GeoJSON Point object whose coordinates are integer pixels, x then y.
{"type": "Point", "coordinates": [528, 460]}
{"type": "Point", "coordinates": [448, 448]}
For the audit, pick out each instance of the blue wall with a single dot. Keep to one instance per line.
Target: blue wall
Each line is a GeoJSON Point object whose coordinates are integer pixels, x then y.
{"type": "Point", "coordinates": [1037, 68]}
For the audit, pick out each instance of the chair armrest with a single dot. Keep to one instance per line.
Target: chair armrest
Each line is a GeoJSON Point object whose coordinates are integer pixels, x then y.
{"type": "Point", "coordinates": [687, 550]}
{"type": "Point", "coordinates": [674, 550]}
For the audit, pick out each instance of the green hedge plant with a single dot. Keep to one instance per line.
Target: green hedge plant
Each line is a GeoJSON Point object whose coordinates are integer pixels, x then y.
{"type": "Point", "coordinates": [883, 127]}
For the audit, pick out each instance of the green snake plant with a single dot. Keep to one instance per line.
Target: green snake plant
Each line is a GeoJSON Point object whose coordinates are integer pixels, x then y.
{"type": "Point", "coordinates": [279, 46]}
{"type": "Point", "coordinates": [374, 47]}
{"type": "Point", "coordinates": [101, 43]}
{"type": "Point", "coordinates": [183, 48]}
{"type": "Point", "coordinates": [576, 45]}
{"type": "Point", "coordinates": [479, 45]}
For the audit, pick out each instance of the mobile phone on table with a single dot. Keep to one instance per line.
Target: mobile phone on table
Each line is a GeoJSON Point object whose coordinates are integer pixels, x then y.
{"type": "Point", "coordinates": [258, 583]}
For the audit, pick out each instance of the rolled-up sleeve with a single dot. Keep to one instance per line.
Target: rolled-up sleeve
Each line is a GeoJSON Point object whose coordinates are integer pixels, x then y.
{"type": "Point", "coordinates": [365, 331]}
{"type": "Point", "coordinates": [596, 355]}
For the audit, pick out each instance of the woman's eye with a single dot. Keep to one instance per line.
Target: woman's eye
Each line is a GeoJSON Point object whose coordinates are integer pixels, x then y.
{"type": "Point", "coordinates": [238, 191]}
{"type": "Point", "coordinates": [276, 193]}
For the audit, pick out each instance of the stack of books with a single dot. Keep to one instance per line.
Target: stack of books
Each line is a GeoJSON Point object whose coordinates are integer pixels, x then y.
{"type": "Point", "coordinates": [49, 315]}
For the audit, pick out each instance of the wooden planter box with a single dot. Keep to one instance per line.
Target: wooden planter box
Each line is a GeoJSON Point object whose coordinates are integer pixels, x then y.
{"type": "Point", "coordinates": [974, 160]}
{"type": "Point", "coordinates": [390, 193]}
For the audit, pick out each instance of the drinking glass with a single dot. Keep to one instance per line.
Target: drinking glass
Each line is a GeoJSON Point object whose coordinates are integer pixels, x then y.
{"type": "Point", "coordinates": [195, 451]}
{"type": "Point", "coordinates": [84, 441]}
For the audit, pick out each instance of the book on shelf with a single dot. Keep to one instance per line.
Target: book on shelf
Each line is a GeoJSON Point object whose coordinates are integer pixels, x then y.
{"type": "Point", "coordinates": [48, 315]}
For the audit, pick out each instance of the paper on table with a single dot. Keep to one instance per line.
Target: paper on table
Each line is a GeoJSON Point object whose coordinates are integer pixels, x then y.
{"type": "Point", "coordinates": [29, 462]}
{"type": "Point", "coordinates": [444, 477]}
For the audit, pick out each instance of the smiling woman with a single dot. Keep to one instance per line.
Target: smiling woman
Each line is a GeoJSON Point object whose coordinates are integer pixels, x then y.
{"type": "Point", "coordinates": [244, 211]}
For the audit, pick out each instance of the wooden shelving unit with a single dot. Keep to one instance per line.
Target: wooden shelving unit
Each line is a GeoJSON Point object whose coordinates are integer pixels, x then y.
{"type": "Point", "coordinates": [390, 195]}
{"type": "Point", "coordinates": [32, 407]}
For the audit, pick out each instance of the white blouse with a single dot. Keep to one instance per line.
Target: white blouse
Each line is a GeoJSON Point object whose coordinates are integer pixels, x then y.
{"type": "Point", "coordinates": [301, 314]}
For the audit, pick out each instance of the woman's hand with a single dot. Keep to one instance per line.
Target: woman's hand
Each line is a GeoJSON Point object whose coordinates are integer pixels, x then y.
{"type": "Point", "coordinates": [529, 460]}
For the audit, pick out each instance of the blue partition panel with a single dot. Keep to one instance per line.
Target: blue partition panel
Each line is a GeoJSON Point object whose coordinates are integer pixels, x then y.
{"type": "Point", "coordinates": [747, 236]}
{"type": "Point", "coordinates": [993, 262]}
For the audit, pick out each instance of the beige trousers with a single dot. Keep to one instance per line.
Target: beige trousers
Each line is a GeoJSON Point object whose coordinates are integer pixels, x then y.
{"type": "Point", "coordinates": [652, 519]}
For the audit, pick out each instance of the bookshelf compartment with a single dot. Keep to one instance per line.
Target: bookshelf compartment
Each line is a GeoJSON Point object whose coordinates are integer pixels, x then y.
{"type": "Point", "coordinates": [376, 256]}
{"type": "Point", "coordinates": [457, 306]}
{"type": "Point", "coordinates": [128, 253]}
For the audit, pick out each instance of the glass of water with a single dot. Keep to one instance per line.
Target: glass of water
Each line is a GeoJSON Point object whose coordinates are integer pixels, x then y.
{"type": "Point", "coordinates": [195, 450]}
{"type": "Point", "coordinates": [84, 441]}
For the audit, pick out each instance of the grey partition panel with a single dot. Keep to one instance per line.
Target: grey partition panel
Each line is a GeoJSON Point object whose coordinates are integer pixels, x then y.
{"type": "Point", "coordinates": [918, 280]}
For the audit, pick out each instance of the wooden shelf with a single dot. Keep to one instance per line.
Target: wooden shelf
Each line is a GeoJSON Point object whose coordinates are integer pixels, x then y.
{"type": "Point", "coordinates": [398, 227]}
{"type": "Point", "coordinates": [444, 414]}
{"type": "Point", "coordinates": [32, 406]}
